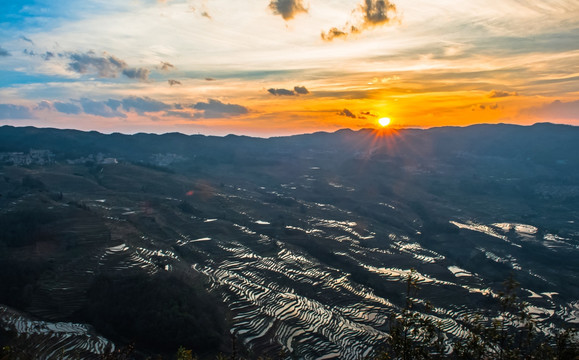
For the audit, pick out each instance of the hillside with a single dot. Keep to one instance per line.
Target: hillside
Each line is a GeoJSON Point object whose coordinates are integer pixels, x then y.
{"type": "Point", "coordinates": [297, 244]}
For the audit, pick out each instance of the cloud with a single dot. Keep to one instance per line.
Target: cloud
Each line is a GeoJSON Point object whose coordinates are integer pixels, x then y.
{"type": "Point", "coordinates": [376, 12]}
{"type": "Point", "coordinates": [99, 108]}
{"type": "Point", "coordinates": [106, 66]}
{"type": "Point", "coordinates": [367, 113]}
{"type": "Point", "coordinates": [209, 79]}
{"type": "Point", "coordinates": [281, 92]}
{"type": "Point", "coordinates": [47, 55]}
{"type": "Point", "coordinates": [43, 105]}
{"type": "Point", "coordinates": [485, 107]}
{"type": "Point", "coordinates": [500, 94]}
{"type": "Point", "coordinates": [142, 105]}
{"type": "Point", "coordinates": [141, 74]}
{"type": "Point", "coordinates": [556, 110]}
{"type": "Point", "coordinates": [288, 9]}
{"type": "Point", "coordinates": [165, 66]}
{"type": "Point", "coordinates": [216, 109]}
{"type": "Point", "coordinates": [298, 90]}
{"type": "Point", "coordinates": [10, 111]}
{"type": "Point", "coordinates": [181, 114]}
{"type": "Point", "coordinates": [22, 37]}
{"type": "Point", "coordinates": [372, 13]}
{"type": "Point", "coordinates": [113, 104]}
{"type": "Point", "coordinates": [67, 108]}
{"type": "Point", "coordinates": [111, 107]}
{"type": "Point", "coordinates": [4, 52]}
{"type": "Point", "coordinates": [336, 33]}
{"type": "Point", "coordinates": [347, 113]}
{"type": "Point", "coordinates": [173, 82]}
{"type": "Point", "coordinates": [301, 90]}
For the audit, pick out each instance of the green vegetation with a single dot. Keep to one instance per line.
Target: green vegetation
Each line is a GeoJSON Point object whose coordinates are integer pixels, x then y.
{"type": "Point", "coordinates": [510, 333]}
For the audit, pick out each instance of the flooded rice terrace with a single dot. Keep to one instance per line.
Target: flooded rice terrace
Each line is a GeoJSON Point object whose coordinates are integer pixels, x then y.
{"type": "Point", "coordinates": [311, 267]}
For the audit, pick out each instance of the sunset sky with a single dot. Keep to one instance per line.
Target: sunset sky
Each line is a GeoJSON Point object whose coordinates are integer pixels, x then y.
{"type": "Point", "coordinates": [278, 67]}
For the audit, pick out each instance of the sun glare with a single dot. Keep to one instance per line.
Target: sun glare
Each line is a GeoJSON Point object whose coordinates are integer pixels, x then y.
{"type": "Point", "coordinates": [384, 122]}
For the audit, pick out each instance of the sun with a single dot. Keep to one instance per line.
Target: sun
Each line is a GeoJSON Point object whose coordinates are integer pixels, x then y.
{"type": "Point", "coordinates": [384, 121]}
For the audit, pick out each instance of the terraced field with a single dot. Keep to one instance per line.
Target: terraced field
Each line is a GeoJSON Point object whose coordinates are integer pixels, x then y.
{"type": "Point", "coordinates": [309, 254]}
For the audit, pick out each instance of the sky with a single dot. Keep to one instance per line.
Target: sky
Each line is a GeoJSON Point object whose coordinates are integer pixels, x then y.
{"type": "Point", "coordinates": [280, 67]}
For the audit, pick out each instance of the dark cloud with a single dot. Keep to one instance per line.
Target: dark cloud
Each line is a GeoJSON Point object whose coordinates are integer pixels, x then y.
{"type": "Point", "coordinates": [173, 82]}
{"type": "Point", "coordinates": [142, 105]}
{"type": "Point", "coordinates": [367, 113]}
{"type": "Point", "coordinates": [165, 66]}
{"type": "Point", "coordinates": [206, 14]}
{"type": "Point", "coordinates": [334, 33]}
{"type": "Point", "coordinates": [26, 39]}
{"type": "Point", "coordinates": [301, 90]}
{"type": "Point", "coordinates": [281, 92]}
{"type": "Point", "coordinates": [376, 12]}
{"type": "Point", "coordinates": [347, 113]}
{"type": "Point", "coordinates": [555, 110]}
{"type": "Point", "coordinates": [141, 74]}
{"type": "Point", "coordinates": [209, 79]}
{"type": "Point", "coordinates": [500, 94]}
{"type": "Point", "coordinates": [298, 90]}
{"type": "Point", "coordinates": [373, 13]}
{"type": "Point", "coordinates": [99, 108]}
{"type": "Point", "coordinates": [288, 9]}
{"type": "Point", "coordinates": [216, 109]}
{"type": "Point", "coordinates": [106, 66]}
{"type": "Point", "coordinates": [67, 108]}
{"type": "Point", "coordinates": [486, 107]}
{"type": "Point", "coordinates": [4, 52]}
{"type": "Point", "coordinates": [10, 111]}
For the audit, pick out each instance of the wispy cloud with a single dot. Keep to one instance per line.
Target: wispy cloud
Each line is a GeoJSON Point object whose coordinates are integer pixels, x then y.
{"type": "Point", "coordinates": [22, 37]}
{"type": "Point", "coordinates": [173, 82]}
{"type": "Point", "coordinates": [288, 9]}
{"type": "Point", "coordinates": [166, 66]}
{"type": "Point", "coordinates": [181, 114]}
